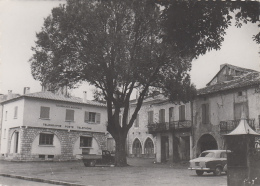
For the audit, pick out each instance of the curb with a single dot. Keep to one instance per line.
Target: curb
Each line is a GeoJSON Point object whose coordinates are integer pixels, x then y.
{"type": "Point", "coordinates": [41, 180]}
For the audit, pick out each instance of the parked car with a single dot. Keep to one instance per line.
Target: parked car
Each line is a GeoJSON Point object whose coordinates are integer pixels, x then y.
{"type": "Point", "coordinates": [92, 159]}
{"type": "Point", "coordinates": [210, 161]}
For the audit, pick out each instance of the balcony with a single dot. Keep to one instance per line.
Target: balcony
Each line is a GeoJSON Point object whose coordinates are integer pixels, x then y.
{"type": "Point", "coordinates": [172, 126]}
{"type": "Point", "coordinates": [228, 126]}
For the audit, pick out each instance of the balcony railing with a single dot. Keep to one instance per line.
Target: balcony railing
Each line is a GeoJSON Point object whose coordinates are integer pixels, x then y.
{"type": "Point", "coordinates": [228, 126]}
{"type": "Point", "coordinates": [169, 126]}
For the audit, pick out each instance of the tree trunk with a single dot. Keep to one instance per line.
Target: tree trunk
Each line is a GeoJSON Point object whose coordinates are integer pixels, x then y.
{"type": "Point", "coordinates": [120, 156]}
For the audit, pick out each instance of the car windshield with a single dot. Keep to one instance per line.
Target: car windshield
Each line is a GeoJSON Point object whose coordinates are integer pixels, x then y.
{"type": "Point", "coordinates": [207, 154]}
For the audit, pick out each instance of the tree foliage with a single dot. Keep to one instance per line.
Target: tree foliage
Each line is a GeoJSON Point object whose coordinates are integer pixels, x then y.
{"type": "Point", "coordinates": [119, 46]}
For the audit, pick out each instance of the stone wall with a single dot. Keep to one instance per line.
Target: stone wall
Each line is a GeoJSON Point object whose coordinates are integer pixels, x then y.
{"type": "Point", "coordinates": [67, 140]}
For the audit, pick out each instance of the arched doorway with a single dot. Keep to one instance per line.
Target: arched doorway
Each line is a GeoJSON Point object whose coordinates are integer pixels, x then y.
{"type": "Point", "coordinates": [137, 148]}
{"type": "Point", "coordinates": [149, 148]}
{"type": "Point", "coordinates": [206, 142]}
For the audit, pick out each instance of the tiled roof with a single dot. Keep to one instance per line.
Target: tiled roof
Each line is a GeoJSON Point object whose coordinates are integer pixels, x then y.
{"type": "Point", "coordinates": [159, 98]}
{"type": "Point", "coordinates": [232, 67]}
{"type": "Point", "coordinates": [51, 96]}
{"type": "Point", "coordinates": [249, 79]}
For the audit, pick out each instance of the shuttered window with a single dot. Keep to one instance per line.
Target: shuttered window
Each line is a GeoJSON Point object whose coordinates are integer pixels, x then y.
{"type": "Point", "coordinates": [15, 111]}
{"type": "Point", "coordinates": [161, 115]}
{"type": "Point", "coordinates": [137, 121]}
{"type": "Point", "coordinates": [182, 113]}
{"type": "Point", "coordinates": [171, 114]}
{"type": "Point", "coordinates": [45, 113]}
{"type": "Point", "coordinates": [205, 113]}
{"type": "Point", "coordinates": [92, 117]}
{"type": "Point", "coordinates": [150, 117]}
{"type": "Point", "coordinates": [69, 115]}
{"type": "Point", "coordinates": [239, 108]}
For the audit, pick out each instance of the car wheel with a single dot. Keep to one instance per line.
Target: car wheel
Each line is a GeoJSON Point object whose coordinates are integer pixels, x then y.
{"type": "Point", "coordinates": [86, 164]}
{"type": "Point", "coordinates": [92, 163]}
{"type": "Point", "coordinates": [217, 171]}
{"type": "Point", "coordinates": [199, 172]}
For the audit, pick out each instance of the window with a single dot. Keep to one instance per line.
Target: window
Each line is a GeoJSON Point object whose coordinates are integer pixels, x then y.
{"type": "Point", "coordinates": [161, 115]}
{"type": "Point", "coordinates": [182, 113]}
{"type": "Point", "coordinates": [137, 147]}
{"type": "Point", "coordinates": [148, 147]}
{"type": "Point", "coordinates": [150, 117]}
{"type": "Point", "coordinates": [85, 141]}
{"type": "Point", "coordinates": [46, 139]}
{"type": "Point", "coordinates": [15, 112]}
{"type": "Point", "coordinates": [92, 117]}
{"type": "Point", "coordinates": [69, 115]}
{"type": "Point", "coordinates": [137, 121]}
{"type": "Point", "coordinates": [205, 113]}
{"type": "Point", "coordinates": [171, 114]}
{"type": "Point", "coordinates": [4, 133]}
{"type": "Point", "coordinates": [239, 108]}
{"type": "Point", "coordinates": [45, 113]}
{"type": "Point", "coordinates": [239, 93]}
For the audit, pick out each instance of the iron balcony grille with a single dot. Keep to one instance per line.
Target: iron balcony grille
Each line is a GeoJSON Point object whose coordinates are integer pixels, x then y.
{"type": "Point", "coordinates": [228, 126]}
{"type": "Point", "coordinates": [169, 126]}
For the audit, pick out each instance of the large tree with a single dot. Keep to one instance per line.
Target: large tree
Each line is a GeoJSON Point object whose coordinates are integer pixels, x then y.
{"type": "Point", "coordinates": [119, 46]}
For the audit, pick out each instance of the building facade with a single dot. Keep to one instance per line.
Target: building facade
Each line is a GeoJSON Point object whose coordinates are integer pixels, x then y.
{"type": "Point", "coordinates": [47, 126]}
{"type": "Point", "coordinates": [161, 130]}
{"type": "Point", "coordinates": [174, 132]}
{"type": "Point", "coordinates": [218, 107]}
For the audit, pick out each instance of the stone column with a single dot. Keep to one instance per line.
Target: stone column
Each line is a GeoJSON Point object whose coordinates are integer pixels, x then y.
{"type": "Point", "coordinates": [191, 151]}
{"type": "Point", "coordinates": [158, 148]}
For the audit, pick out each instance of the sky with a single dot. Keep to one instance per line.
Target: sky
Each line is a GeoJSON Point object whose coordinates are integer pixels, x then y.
{"type": "Point", "coordinates": [21, 19]}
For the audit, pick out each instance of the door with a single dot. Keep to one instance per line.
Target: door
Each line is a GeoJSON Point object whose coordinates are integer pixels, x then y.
{"type": "Point", "coordinates": [16, 142]}
{"type": "Point", "coordinates": [165, 148]}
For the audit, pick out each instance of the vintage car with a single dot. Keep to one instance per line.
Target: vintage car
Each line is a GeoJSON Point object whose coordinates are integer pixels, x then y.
{"type": "Point", "coordinates": [210, 161]}
{"type": "Point", "coordinates": [106, 158]}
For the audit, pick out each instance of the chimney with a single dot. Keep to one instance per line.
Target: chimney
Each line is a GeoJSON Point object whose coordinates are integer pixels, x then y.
{"type": "Point", "coordinates": [85, 96]}
{"type": "Point", "coordinates": [26, 90]}
{"type": "Point", "coordinates": [9, 95]}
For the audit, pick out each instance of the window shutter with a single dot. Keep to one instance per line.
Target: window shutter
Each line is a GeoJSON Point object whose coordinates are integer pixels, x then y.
{"type": "Point", "coordinates": [182, 112]}
{"type": "Point", "coordinates": [69, 115]}
{"type": "Point", "coordinates": [98, 115]}
{"type": "Point", "coordinates": [86, 116]}
{"type": "Point", "coordinates": [150, 117]}
{"type": "Point", "coordinates": [45, 112]}
{"type": "Point", "coordinates": [238, 111]}
{"type": "Point", "coordinates": [15, 111]}
{"type": "Point", "coordinates": [203, 107]}
{"type": "Point", "coordinates": [137, 121]}
{"type": "Point", "coordinates": [207, 113]}
{"type": "Point", "coordinates": [161, 115]}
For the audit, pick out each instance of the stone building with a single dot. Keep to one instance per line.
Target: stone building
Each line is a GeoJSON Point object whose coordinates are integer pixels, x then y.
{"type": "Point", "coordinates": [162, 130]}
{"type": "Point", "coordinates": [172, 132]}
{"type": "Point", "coordinates": [47, 126]}
{"type": "Point", "coordinates": [217, 108]}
